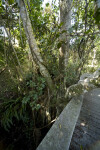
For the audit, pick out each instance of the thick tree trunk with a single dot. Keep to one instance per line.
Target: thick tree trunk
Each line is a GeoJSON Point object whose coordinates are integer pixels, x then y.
{"type": "Point", "coordinates": [33, 45]}
{"type": "Point", "coordinates": [65, 18]}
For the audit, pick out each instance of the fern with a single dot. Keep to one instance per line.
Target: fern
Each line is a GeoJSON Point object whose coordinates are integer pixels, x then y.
{"type": "Point", "coordinates": [9, 110]}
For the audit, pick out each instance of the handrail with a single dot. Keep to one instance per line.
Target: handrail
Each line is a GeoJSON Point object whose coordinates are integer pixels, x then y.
{"type": "Point", "coordinates": [60, 134]}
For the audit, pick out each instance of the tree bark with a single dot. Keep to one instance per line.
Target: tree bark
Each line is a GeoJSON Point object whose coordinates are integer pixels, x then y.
{"type": "Point", "coordinates": [65, 18]}
{"type": "Point", "coordinates": [33, 45]}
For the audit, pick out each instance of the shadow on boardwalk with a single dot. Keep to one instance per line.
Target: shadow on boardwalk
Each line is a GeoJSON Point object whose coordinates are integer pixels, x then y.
{"type": "Point", "coordinates": [87, 130]}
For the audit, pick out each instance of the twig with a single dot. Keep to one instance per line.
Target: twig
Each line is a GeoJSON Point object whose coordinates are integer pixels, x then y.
{"type": "Point", "coordinates": [48, 124]}
{"type": "Point", "coordinates": [3, 70]}
{"type": "Point", "coordinates": [79, 34]}
{"type": "Point", "coordinates": [13, 48]}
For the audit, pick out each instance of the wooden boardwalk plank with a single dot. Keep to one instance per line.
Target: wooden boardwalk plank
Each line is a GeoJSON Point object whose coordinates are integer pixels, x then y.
{"type": "Point", "coordinates": [87, 130]}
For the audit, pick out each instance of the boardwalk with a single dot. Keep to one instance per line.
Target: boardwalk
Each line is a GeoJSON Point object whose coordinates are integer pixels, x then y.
{"type": "Point", "coordinates": [87, 130]}
{"type": "Point", "coordinates": [78, 126]}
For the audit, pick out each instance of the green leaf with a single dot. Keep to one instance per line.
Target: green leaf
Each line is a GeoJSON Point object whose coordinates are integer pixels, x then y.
{"type": "Point", "coordinates": [10, 2]}
{"type": "Point", "coordinates": [59, 44]}
{"type": "Point", "coordinates": [88, 31]}
{"type": "Point", "coordinates": [47, 4]}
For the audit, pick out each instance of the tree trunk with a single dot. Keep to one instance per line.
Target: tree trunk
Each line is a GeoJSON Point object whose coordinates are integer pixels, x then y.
{"type": "Point", "coordinates": [33, 45]}
{"type": "Point", "coordinates": [65, 18]}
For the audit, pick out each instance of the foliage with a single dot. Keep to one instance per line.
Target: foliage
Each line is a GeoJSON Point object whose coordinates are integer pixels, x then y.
{"type": "Point", "coordinates": [46, 29]}
{"type": "Point", "coordinates": [29, 95]}
{"type": "Point", "coordinates": [84, 37]}
{"type": "Point", "coordinates": [34, 91]}
{"type": "Point", "coordinates": [72, 75]}
{"type": "Point", "coordinates": [28, 99]}
{"type": "Point", "coordinates": [12, 110]}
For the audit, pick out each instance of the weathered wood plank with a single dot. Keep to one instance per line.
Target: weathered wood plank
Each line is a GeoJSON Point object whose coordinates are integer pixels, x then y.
{"type": "Point", "coordinates": [87, 130]}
